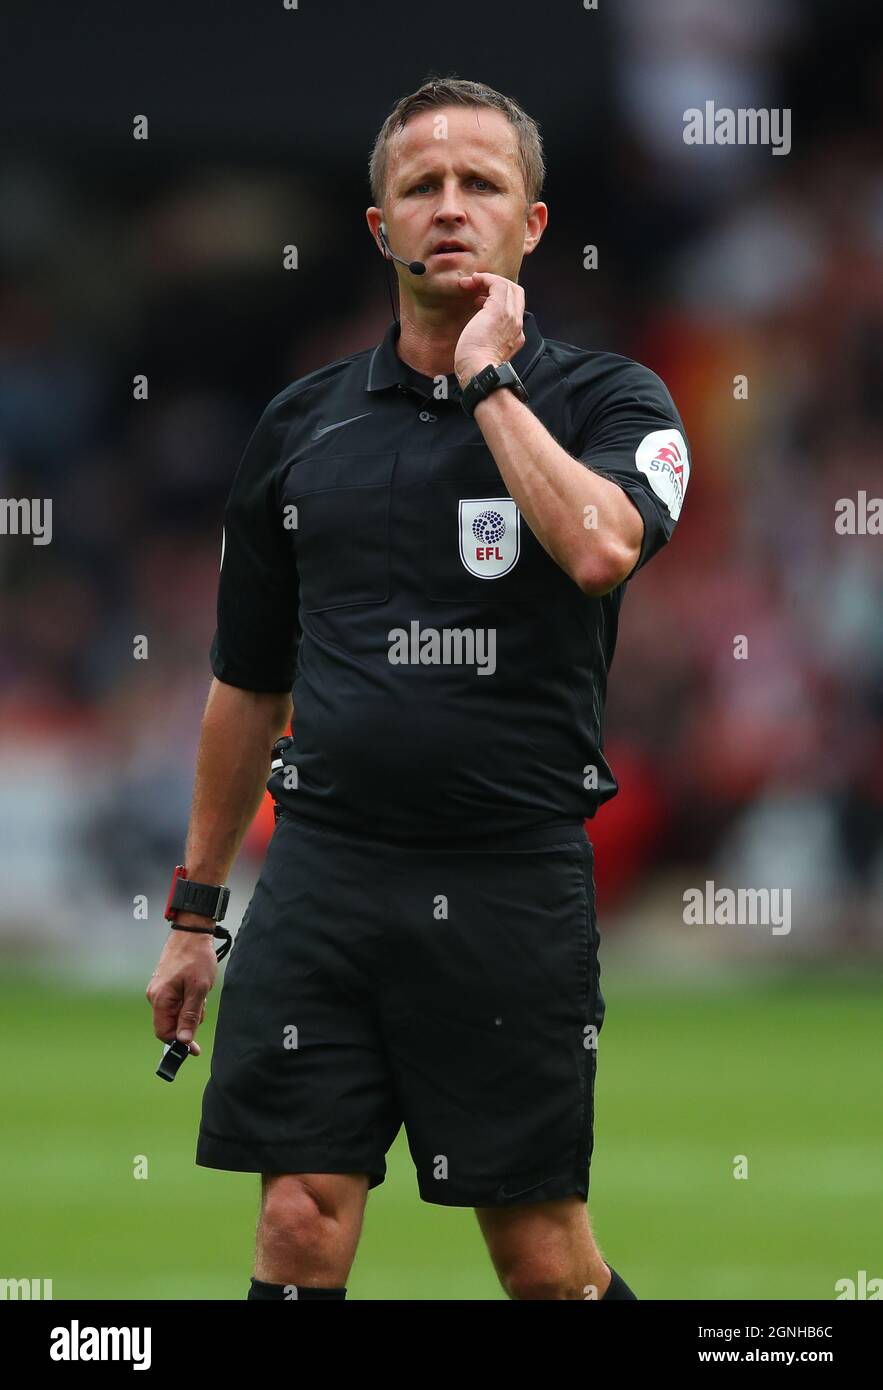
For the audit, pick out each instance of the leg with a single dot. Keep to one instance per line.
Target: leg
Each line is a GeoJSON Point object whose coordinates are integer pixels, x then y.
{"type": "Point", "coordinates": [309, 1227]}
{"type": "Point", "coordinates": [300, 1090]}
{"type": "Point", "coordinates": [545, 1249]}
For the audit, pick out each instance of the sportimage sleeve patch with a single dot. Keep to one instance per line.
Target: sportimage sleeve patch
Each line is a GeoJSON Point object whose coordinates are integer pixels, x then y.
{"type": "Point", "coordinates": [662, 457]}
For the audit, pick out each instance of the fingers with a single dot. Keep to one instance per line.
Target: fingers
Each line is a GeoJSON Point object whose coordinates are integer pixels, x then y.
{"type": "Point", "coordinates": [497, 286]}
{"type": "Point", "coordinates": [194, 1046]}
{"type": "Point", "coordinates": [178, 1002]}
{"type": "Point", "coordinates": [486, 277]}
{"type": "Point", "coordinates": [191, 1015]}
{"type": "Point", "coordinates": [505, 293]}
{"type": "Point", "coordinates": [165, 1004]}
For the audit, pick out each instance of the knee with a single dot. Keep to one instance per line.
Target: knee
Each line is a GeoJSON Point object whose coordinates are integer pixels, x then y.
{"type": "Point", "coordinates": [292, 1214]}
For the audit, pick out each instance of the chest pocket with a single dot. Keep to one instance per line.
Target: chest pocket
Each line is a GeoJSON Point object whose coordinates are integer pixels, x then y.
{"type": "Point", "coordinates": [476, 546]}
{"type": "Point", "coordinates": [343, 528]}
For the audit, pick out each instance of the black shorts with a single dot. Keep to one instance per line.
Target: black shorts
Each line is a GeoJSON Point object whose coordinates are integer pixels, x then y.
{"type": "Point", "coordinates": [452, 990]}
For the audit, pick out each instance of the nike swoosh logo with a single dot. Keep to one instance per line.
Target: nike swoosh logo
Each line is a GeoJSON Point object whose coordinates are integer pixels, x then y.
{"type": "Point", "coordinates": [317, 434]}
{"type": "Point", "coordinates": [504, 1194]}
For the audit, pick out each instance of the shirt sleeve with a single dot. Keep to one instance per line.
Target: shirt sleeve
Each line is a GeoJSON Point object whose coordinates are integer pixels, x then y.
{"type": "Point", "coordinates": [626, 427]}
{"type": "Point", "coordinates": [258, 630]}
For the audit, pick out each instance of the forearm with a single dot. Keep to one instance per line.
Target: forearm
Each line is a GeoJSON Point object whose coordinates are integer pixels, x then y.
{"type": "Point", "coordinates": [586, 523]}
{"type": "Point", "coordinates": [239, 728]}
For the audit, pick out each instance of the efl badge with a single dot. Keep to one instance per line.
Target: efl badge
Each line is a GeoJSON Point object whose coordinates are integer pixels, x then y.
{"type": "Point", "coordinates": [662, 456]}
{"type": "Point", "coordinates": [490, 535]}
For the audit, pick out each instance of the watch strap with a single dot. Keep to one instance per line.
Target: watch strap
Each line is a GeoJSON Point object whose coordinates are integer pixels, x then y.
{"type": "Point", "coordinates": [186, 895]}
{"type": "Point", "coordinates": [489, 379]}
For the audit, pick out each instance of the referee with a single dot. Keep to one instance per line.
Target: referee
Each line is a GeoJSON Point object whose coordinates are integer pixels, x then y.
{"type": "Point", "coordinates": [424, 555]}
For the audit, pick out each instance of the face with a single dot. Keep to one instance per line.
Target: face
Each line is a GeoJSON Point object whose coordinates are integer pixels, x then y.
{"type": "Point", "coordinates": [466, 186]}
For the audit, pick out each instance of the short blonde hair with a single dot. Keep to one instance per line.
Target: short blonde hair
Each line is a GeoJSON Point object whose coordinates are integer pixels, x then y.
{"type": "Point", "coordinates": [457, 91]}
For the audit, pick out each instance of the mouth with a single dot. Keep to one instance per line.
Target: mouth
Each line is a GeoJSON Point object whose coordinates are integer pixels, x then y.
{"type": "Point", "coordinates": [449, 248]}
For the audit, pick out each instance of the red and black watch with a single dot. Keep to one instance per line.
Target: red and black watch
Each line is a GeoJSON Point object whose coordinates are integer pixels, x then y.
{"type": "Point", "coordinates": [205, 899]}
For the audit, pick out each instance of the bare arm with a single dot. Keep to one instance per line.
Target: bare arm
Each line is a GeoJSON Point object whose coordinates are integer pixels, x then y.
{"type": "Point", "coordinates": [239, 728]}
{"type": "Point", "coordinates": [555, 493]}
{"type": "Point", "coordinates": [554, 490]}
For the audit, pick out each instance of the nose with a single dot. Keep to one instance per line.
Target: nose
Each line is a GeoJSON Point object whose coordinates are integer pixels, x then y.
{"type": "Point", "coordinates": [450, 208]}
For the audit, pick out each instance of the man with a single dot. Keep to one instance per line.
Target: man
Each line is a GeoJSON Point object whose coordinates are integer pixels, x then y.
{"type": "Point", "coordinates": [434, 556]}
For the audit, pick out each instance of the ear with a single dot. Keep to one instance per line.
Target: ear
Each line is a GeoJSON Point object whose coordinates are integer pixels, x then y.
{"type": "Point", "coordinates": [375, 228]}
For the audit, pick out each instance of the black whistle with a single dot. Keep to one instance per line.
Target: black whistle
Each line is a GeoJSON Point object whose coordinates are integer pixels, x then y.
{"type": "Point", "coordinates": [176, 1052]}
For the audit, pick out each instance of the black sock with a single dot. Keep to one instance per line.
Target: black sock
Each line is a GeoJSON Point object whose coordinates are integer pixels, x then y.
{"type": "Point", "coordinates": [295, 1292]}
{"type": "Point", "coordinates": [617, 1288]}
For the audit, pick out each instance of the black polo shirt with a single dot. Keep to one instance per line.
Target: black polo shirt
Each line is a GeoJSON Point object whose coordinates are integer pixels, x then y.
{"type": "Point", "coordinates": [448, 677]}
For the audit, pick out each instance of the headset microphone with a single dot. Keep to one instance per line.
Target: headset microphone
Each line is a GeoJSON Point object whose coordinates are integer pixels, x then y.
{"type": "Point", "coordinates": [415, 267]}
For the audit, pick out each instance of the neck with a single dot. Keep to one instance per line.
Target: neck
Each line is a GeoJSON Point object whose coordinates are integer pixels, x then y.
{"type": "Point", "coordinates": [430, 335]}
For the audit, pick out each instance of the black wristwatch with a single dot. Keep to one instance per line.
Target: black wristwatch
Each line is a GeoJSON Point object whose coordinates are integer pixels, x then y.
{"type": "Point", "coordinates": [489, 379]}
{"type": "Point", "coordinates": [205, 899]}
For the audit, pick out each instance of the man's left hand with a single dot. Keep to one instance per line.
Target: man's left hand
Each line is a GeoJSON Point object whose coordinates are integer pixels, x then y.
{"type": "Point", "coordinates": [496, 332]}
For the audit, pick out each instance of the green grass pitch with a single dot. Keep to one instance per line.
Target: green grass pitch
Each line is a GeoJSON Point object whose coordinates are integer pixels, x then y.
{"type": "Point", "coordinates": [785, 1072]}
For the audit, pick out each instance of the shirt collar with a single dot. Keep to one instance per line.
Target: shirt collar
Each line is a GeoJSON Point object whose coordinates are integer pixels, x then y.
{"type": "Point", "coordinates": [386, 368]}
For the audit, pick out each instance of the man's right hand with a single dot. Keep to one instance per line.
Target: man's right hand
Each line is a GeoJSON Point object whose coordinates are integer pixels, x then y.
{"type": "Point", "coordinates": [183, 977]}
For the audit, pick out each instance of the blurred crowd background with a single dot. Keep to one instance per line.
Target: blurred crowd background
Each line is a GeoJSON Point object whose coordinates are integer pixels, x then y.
{"type": "Point", "coordinates": [164, 258]}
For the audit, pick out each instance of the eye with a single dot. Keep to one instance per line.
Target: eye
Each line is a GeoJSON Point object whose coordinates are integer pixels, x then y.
{"type": "Point", "coordinates": [475, 180]}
